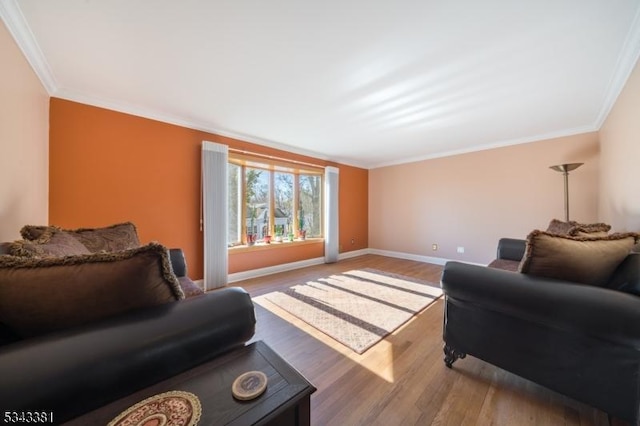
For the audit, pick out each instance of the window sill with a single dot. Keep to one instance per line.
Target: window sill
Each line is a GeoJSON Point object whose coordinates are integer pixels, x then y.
{"type": "Point", "coordinates": [274, 245]}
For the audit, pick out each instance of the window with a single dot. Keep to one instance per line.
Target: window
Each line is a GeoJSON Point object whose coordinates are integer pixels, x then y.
{"type": "Point", "coordinates": [283, 211]}
{"type": "Point", "coordinates": [272, 201]}
{"type": "Point", "coordinates": [256, 186]}
{"type": "Point", "coordinates": [309, 213]}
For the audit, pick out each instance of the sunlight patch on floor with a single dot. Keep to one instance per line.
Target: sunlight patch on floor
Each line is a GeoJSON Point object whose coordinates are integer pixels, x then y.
{"type": "Point", "coordinates": [378, 359]}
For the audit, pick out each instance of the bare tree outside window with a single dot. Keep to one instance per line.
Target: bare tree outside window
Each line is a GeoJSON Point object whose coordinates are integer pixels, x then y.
{"type": "Point", "coordinates": [283, 214]}
{"type": "Point", "coordinates": [311, 204]}
{"type": "Point", "coordinates": [257, 192]}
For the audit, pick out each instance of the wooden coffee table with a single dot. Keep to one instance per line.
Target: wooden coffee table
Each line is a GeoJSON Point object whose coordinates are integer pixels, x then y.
{"type": "Point", "coordinates": [286, 400]}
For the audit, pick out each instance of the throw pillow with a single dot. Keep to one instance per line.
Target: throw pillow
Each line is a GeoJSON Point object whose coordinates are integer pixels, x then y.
{"type": "Point", "coordinates": [121, 236]}
{"type": "Point", "coordinates": [38, 296]}
{"type": "Point", "coordinates": [590, 228]}
{"type": "Point", "coordinates": [33, 232]}
{"type": "Point", "coordinates": [59, 244]}
{"type": "Point", "coordinates": [577, 259]}
{"type": "Point", "coordinates": [578, 233]}
{"type": "Point", "coordinates": [572, 227]}
{"type": "Point", "coordinates": [559, 227]}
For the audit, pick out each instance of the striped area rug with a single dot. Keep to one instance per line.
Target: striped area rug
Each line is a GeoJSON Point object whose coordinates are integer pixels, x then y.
{"type": "Point", "coordinates": [357, 308]}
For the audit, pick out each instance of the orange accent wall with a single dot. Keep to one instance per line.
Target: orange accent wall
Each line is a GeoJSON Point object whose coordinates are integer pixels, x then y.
{"type": "Point", "coordinates": [107, 167]}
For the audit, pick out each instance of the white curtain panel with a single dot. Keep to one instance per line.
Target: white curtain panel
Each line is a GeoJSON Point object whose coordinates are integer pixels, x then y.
{"type": "Point", "coordinates": [331, 247]}
{"type": "Point", "coordinates": [215, 213]}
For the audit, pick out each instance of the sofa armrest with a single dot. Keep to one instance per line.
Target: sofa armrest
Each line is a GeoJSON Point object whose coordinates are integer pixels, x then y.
{"type": "Point", "coordinates": [76, 371]}
{"type": "Point", "coordinates": [511, 249]}
{"type": "Point", "coordinates": [607, 314]}
{"type": "Point", "coordinates": [178, 262]}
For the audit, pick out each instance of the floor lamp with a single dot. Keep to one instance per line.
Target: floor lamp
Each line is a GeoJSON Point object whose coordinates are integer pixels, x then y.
{"type": "Point", "coordinates": [565, 169]}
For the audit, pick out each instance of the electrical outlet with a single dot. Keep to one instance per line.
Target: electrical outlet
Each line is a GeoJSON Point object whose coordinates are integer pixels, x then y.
{"type": "Point", "coordinates": [353, 241]}
{"type": "Point", "coordinates": [460, 249]}
{"type": "Point", "coordinates": [434, 247]}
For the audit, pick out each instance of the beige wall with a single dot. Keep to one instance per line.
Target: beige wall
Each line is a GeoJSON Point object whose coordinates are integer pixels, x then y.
{"type": "Point", "coordinates": [24, 139]}
{"type": "Point", "coordinates": [620, 156]}
{"type": "Point", "coordinates": [472, 200]}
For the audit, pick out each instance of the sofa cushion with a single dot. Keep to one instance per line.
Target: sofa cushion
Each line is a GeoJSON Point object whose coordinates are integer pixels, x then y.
{"type": "Point", "coordinates": [58, 244]}
{"type": "Point", "coordinates": [38, 296]}
{"type": "Point", "coordinates": [626, 278]}
{"type": "Point", "coordinates": [505, 264]}
{"type": "Point", "coordinates": [189, 288]}
{"type": "Point", "coordinates": [121, 236]}
{"type": "Point", "coordinates": [578, 259]}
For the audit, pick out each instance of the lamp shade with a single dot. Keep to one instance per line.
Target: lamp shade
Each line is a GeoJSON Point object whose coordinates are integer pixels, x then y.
{"type": "Point", "coordinates": [566, 168]}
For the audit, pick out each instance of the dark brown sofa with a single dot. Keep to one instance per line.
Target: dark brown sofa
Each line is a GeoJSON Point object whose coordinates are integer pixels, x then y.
{"type": "Point", "coordinates": [580, 340]}
{"type": "Point", "coordinates": [74, 371]}
{"type": "Point", "coordinates": [78, 331]}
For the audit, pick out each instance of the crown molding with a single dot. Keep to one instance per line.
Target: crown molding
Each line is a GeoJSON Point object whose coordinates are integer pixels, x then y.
{"type": "Point", "coordinates": [11, 15]}
{"type": "Point", "coordinates": [16, 24]}
{"type": "Point", "coordinates": [625, 64]}
{"type": "Point", "coordinates": [493, 145]}
{"type": "Point", "coordinates": [138, 111]}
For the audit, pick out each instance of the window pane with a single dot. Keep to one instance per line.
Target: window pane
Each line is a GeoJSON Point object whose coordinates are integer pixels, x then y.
{"type": "Point", "coordinates": [283, 214]}
{"type": "Point", "coordinates": [235, 194]}
{"type": "Point", "coordinates": [257, 184]}
{"type": "Point", "coordinates": [310, 209]}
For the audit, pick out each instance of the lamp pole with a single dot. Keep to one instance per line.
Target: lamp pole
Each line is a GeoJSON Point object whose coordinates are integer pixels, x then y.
{"type": "Point", "coordinates": [565, 169]}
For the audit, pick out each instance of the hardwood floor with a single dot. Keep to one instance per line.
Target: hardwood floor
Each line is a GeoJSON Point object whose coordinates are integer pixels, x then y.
{"type": "Point", "coordinates": [402, 380]}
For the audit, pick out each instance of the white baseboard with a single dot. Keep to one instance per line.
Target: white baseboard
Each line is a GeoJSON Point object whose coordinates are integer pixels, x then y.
{"type": "Point", "coordinates": [355, 253]}
{"type": "Point", "coordinates": [410, 256]}
{"type": "Point", "coordinates": [255, 273]}
{"type": "Point", "coordinates": [418, 258]}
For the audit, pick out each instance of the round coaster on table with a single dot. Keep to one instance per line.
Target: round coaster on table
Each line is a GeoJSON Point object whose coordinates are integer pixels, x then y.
{"type": "Point", "coordinates": [249, 385]}
{"type": "Point", "coordinates": [175, 408]}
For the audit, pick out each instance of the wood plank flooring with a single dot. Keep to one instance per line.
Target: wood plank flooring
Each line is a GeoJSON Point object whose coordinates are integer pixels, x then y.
{"type": "Point", "coordinates": [402, 380]}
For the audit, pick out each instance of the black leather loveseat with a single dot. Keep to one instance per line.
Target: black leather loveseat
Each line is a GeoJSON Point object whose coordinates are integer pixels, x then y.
{"type": "Point", "coordinates": [579, 340]}
{"type": "Point", "coordinates": [74, 371]}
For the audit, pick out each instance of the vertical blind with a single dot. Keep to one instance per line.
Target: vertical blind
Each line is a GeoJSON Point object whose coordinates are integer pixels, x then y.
{"type": "Point", "coordinates": [331, 247]}
{"type": "Point", "coordinates": [215, 213]}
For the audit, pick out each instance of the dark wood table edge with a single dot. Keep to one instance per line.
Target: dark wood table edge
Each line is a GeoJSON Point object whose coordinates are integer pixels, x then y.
{"type": "Point", "coordinates": [289, 373]}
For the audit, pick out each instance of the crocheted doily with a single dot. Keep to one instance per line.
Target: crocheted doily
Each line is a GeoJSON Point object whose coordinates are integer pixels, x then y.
{"type": "Point", "coordinates": [174, 408]}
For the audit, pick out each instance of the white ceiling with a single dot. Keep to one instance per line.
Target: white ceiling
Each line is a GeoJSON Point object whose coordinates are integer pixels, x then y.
{"type": "Point", "coordinates": [363, 82]}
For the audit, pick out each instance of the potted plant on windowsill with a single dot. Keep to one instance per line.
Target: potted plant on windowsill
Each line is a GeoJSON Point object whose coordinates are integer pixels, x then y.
{"type": "Point", "coordinates": [278, 234]}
